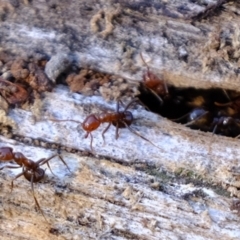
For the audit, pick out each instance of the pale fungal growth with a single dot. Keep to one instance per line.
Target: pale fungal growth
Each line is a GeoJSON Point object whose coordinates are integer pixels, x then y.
{"type": "Point", "coordinates": [36, 109]}
{"type": "Point", "coordinates": [5, 120]}
{"type": "Point", "coordinates": [57, 64]}
{"type": "Point", "coordinates": [94, 21]}
{"type": "Point", "coordinates": [3, 104]}
{"type": "Point", "coordinates": [108, 15]}
{"type": "Point", "coordinates": [5, 7]}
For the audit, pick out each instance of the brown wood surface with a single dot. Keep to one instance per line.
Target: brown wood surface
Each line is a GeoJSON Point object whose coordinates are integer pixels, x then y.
{"type": "Point", "coordinates": [128, 190]}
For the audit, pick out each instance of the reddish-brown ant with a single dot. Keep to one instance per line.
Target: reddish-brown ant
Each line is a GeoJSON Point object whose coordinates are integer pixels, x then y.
{"type": "Point", "coordinates": [120, 119]}
{"type": "Point", "coordinates": [157, 86]}
{"type": "Point", "coordinates": [13, 93]}
{"type": "Point", "coordinates": [30, 170]}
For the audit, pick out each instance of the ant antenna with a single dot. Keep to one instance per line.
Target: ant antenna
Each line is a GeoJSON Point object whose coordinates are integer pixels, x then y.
{"type": "Point", "coordinates": [64, 120]}
{"type": "Point", "coordinates": [193, 121]}
{"type": "Point", "coordinates": [226, 94]}
{"type": "Point", "coordinates": [136, 133]}
{"type": "Point", "coordinates": [127, 107]}
{"type": "Point", "coordinates": [32, 188]}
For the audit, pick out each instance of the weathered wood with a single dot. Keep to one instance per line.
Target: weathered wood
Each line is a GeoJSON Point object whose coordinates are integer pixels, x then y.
{"type": "Point", "coordinates": [105, 199]}
{"type": "Point", "coordinates": [110, 35]}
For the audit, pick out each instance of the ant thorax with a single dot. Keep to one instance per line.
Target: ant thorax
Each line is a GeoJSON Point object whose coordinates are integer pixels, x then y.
{"type": "Point", "coordinates": [109, 117]}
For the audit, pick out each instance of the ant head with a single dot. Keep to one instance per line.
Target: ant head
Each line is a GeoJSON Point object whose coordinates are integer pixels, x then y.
{"type": "Point", "coordinates": [6, 153]}
{"type": "Point", "coordinates": [196, 114]}
{"type": "Point", "coordinates": [91, 123]}
{"type": "Point", "coordinates": [228, 121]}
{"type": "Point", "coordinates": [35, 175]}
{"type": "Point", "coordinates": [128, 118]}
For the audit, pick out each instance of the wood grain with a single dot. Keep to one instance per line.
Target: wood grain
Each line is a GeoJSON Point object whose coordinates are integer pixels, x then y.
{"type": "Point", "coordinates": [130, 189]}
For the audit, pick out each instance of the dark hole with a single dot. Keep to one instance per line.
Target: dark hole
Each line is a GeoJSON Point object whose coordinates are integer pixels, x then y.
{"type": "Point", "coordinates": [214, 110]}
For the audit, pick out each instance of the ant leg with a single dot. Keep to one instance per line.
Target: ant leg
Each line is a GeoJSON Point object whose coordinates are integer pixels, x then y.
{"type": "Point", "coordinates": [214, 129]}
{"type": "Point", "coordinates": [105, 130]}
{"type": "Point", "coordinates": [43, 161]}
{"type": "Point", "coordinates": [91, 141]}
{"type": "Point", "coordinates": [46, 160]}
{"type": "Point", "coordinates": [10, 166]}
{"type": "Point", "coordinates": [61, 158]}
{"type": "Point", "coordinates": [193, 121]}
{"type": "Point", "coordinates": [117, 106]}
{"type": "Point", "coordinates": [129, 104]}
{"type": "Point", "coordinates": [223, 104]}
{"type": "Point", "coordinates": [144, 61]}
{"type": "Point", "coordinates": [19, 175]}
{"type": "Point", "coordinates": [156, 95]}
{"type": "Point", "coordinates": [136, 133]}
{"type": "Point", "coordinates": [117, 131]}
{"type": "Point", "coordinates": [180, 118]}
{"type": "Point", "coordinates": [86, 135]}
{"type": "Point", "coordinates": [226, 94]}
{"type": "Point", "coordinates": [35, 199]}
{"type": "Point", "coordinates": [165, 86]}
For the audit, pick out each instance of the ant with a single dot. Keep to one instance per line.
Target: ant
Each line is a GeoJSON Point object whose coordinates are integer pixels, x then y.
{"type": "Point", "coordinates": [159, 97]}
{"type": "Point", "coordinates": [157, 86]}
{"type": "Point", "coordinates": [31, 170]}
{"type": "Point", "coordinates": [120, 119]}
{"type": "Point", "coordinates": [227, 126]}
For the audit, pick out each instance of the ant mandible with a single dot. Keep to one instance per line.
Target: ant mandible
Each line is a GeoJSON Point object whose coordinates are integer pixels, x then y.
{"type": "Point", "coordinates": [30, 170]}
{"type": "Point", "coordinates": [120, 119]}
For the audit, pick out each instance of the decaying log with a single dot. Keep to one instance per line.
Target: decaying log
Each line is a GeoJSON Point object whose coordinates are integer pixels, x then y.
{"type": "Point", "coordinates": [130, 189]}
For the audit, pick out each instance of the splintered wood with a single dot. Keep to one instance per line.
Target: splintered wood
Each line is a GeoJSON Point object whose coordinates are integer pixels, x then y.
{"type": "Point", "coordinates": [105, 200]}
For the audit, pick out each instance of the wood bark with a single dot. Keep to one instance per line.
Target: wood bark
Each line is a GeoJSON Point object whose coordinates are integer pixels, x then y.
{"type": "Point", "coordinates": [130, 189]}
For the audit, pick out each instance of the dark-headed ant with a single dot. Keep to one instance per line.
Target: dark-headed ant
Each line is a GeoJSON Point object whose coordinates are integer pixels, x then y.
{"type": "Point", "coordinates": [31, 170]}
{"type": "Point", "coordinates": [216, 122]}
{"type": "Point", "coordinates": [227, 126]}
{"type": "Point", "coordinates": [120, 119]}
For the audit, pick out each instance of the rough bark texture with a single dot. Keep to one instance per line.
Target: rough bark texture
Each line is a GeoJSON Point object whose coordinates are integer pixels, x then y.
{"type": "Point", "coordinates": [130, 191]}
